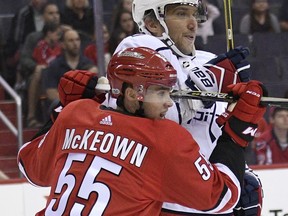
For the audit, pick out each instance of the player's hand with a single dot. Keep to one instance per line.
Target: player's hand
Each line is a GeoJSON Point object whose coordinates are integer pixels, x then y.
{"type": "Point", "coordinates": [77, 84]}
{"type": "Point", "coordinates": [241, 123]}
{"type": "Point", "coordinates": [230, 68]}
{"type": "Point", "coordinates": [250, 203]}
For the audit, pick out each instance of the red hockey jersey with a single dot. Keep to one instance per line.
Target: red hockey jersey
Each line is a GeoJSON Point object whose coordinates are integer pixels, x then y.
{"type": "Point", "coordinates": [99, 161]}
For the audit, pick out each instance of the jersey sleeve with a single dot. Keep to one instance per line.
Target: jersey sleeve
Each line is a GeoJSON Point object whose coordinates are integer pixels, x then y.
{"type": "Point", "coordinates": [215, 184]}
{"type": "Point", "coordinates": [33, 156]}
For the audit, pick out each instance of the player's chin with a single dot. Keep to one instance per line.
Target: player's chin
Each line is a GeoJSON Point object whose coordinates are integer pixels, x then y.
{"type": "Point", "coordinates": [188, 49]}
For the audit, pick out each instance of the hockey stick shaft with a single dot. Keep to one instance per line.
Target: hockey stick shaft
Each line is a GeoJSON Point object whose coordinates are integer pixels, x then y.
{"type": "Point", "coordinates": [224, 97]}
{"type": "Point", "coordinates": [228, 24]}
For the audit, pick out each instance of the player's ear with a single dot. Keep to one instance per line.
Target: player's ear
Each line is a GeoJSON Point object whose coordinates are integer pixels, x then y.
{"type": "Point", "coordinates": [154, 27]}
{"type": "Point", "coordinates": [130, 94]}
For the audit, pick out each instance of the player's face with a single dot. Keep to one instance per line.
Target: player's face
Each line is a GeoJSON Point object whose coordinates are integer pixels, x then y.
{"type": "Point", "coordinates": [156, 102]}
{"type": "Point", "coordinates": [182, 26]}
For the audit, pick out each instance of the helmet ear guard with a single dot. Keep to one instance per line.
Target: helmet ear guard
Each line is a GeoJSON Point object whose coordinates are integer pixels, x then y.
{"type": "Point", "coordinates": [140, 67]}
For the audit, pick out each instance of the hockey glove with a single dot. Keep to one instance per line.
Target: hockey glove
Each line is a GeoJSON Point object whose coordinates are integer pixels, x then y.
{"type": "Point", "coordinates": [77, 84]}
{"type": "Point", "coordinates": [241, 123]}
{"type": "Point", "coordinates": [230, 68]}
{"type": "Point", "coordinates": [250, 202]}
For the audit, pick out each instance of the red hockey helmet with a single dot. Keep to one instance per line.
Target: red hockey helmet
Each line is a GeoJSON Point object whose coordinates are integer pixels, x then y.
{"type": "Point", "coordinates": [140, 67]}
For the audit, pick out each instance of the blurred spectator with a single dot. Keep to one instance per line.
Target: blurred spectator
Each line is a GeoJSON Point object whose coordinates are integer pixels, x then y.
{"type": "Point", "coordinates": [123, 5]}
{"type": "Point", "coordinates": [91, 51]}
{"type": "Point", "coordinates": [125, 21]}
{"type": "Point", "coordinates": [206, 29]}
{"type": "Point", "coordinates": [283, 15]}
{"type": "Point", "coordinates": [123, 27]}
{"type": "Point", "coordinates": [79, 15]}
{"type": "Point", "coordinates": [28, 19]}
{"type": "Point", "coordinates": [27, 63]}
{"type": "Point", "coordinates": [70, 59]}
{"type": "Point", "coordinates": [272, 145]}
{"type": "Point", "coordinates": [260, 19]}
{"type": "Point", "coordinates": [46, 50]}
{"type": "Point", "coordinates": [126, 5]}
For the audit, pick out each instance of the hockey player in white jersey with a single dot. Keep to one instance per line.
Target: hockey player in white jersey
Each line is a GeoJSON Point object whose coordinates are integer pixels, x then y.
{"type": "Point", "coordinates": [169, 27]}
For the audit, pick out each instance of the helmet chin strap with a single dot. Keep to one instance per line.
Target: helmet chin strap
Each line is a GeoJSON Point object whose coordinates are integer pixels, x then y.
{"type": "Point", "coordinates": [165, 38]}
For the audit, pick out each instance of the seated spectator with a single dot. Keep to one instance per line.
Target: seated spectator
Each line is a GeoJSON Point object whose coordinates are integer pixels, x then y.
{"type": "Point", "coordinates": [70, 59]}
{"type": "Point", "coordinates": [260, 19]}
{"type": "Point", "coordinates": [28, 19]}
{"type": "Point", "coordinates": [272, 145]}
{"type": "Point", "coordinates": [27, 65]}
{"type": "Point", "coordinates": [46, 50]}
{"type": "Point", "coordinates": [124, 25]}
{"type": "Point", "coordinates": [79, 15]}
{"type": "Point", "coordinates": [118, 8]}
{"type": "Point", "coordinates": [283, 16]}
{"type": "Point", "coordinates": [91, 51]}
{"type": "Point", "coordinates": [206, 29]}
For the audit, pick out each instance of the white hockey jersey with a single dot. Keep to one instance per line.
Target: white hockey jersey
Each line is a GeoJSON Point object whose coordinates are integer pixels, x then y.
{"type": "Point", "coordinates": [202, 123]}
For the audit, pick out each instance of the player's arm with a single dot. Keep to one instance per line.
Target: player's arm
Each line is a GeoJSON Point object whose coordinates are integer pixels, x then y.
{"type": "Point", "coordinates": [36, 158]}
{"type": "Point", "coordinates": [228, 68]}
{"type": "Point", "coordinates": [75, 85]}
{"type": "Point", "coordinates": [221, 183]}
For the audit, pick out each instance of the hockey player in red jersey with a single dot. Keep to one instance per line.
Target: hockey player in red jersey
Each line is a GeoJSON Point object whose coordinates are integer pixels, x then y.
{"type": "Point", "coordinates": [128, 161]}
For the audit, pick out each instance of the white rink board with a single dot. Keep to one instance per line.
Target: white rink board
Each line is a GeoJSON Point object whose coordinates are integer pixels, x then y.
{"type": "Point", "coordinates": [275, 186]}
{"type": "Point", "coordinates": [19, 198]}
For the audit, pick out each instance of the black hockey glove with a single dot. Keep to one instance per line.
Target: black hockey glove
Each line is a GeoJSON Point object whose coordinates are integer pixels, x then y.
{"type": "Point", "coordinates": [250, 203]}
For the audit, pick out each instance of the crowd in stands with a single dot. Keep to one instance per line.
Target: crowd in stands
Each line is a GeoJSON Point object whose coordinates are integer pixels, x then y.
{"type": "Point", "coordinates": [47, 38]}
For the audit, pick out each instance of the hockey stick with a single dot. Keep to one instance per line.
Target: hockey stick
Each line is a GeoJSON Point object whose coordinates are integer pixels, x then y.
{"type": "Point", "coordinates": [224, 97]}
{"type": "Point", "coordinates": [228, 24]}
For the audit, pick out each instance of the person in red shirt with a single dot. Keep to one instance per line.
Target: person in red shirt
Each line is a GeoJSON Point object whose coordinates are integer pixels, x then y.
{"type": "Point", "coordinates": [128, 161]}
{"type": "Point", "coordinates": [272, 145]}
{"type": "Point", "coordinates": [90, 50]}
{"type": "Point", "coordinates": [49, 47]}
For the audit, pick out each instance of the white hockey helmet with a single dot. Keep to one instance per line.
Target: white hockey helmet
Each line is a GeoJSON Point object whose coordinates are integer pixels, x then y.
{"type": "Point", "coordinates": [140, 8]}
